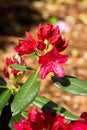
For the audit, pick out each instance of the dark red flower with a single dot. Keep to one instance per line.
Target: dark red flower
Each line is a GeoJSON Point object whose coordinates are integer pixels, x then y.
{"type": "Point", "coordinates": [36, 117]}
{"type": "Point", "coordinates": [47, 48]}
{"type": "Point", "coordinates": [76, 125]}
{"type": "Point", "coordinates": [63, 43]}
{"type": "Point", "coordinates": [48, 119]}
{"type": "Point", "coordinates": [49, 37]}
{"type": "Point", "coordinates": [41, 121]}
{"type": "Point", "coordinates": [26, 46]}
{"type": "Point", "coordinates": [51, 62]}
{"type": "Point", "coordinates": [44, 32]}
{"type": "Point", "coordinates": [84, 116]}
{"type": "Point", "coordinates": [23, 125]}
{"type": "Point", "coordinates": [79, 124]}
{"type": "Point", "coordinates": [34, 121]}
{"type": "Point", "coordinates": [50, 34]}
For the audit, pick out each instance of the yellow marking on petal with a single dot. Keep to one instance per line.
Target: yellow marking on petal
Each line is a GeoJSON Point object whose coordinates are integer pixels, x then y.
{"type": "Point", "coordinates": [50, 47]}
{"type": "Point", "coordinates": [47, 49]}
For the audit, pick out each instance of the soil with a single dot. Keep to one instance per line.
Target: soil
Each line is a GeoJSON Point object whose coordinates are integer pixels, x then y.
{"type": "Point", "coordinates": [18, 17]}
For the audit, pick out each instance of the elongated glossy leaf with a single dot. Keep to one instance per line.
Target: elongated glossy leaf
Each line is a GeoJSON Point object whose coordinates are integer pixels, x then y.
{"type": "Point", "coordinates": [24, 114]}
{"type": "Point", "coordinates": [44, 104]}
{"type": "Point", "coordinates": [21, 67]}
{"type": "Point", "coordinates": [26, 94]}
{"type": "Point", "coordinates": [71, 84]}
{"type": "Point", "coordinates": [4, 97]}
{"type": "Point", "coordinates": [15, 119]}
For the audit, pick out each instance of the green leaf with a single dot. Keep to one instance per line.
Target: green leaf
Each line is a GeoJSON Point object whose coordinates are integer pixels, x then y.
{"type": "Point", "coordinates": [71, 84]}
{"type": "Point", "coordinates": [44, 104]}
{"type": "Point", "coordinates": [33, 55]}
{"type": "Point", "coordinates": [2, 82]}
{"type": "Point", "coordinates": [24, 114]}
{"type": "Point", "coordinates": [15, 119]}
{"type": "Point", "coordinates": [26, 94]}
{"type": "Point", "coordinates": [21, 67]}
{"type": "Point", "coordinates": [4, 97]}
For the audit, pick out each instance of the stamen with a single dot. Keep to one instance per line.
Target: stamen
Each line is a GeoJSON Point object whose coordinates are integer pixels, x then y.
{"type": "Point", "coordinates": [48, 48]}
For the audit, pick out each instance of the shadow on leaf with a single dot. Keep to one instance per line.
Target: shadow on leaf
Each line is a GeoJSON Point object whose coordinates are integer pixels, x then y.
{"type": "Point", "coordinates": [64, 81]}
{"type": "Point", "coordinates": [54, 107]}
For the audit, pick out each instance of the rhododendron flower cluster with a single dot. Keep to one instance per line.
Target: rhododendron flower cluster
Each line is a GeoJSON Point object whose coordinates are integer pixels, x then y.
{"type": "Point", "coordinates": [40, 121]}
{"type": "Point", "coordinates": [19, 94]}
{"type": "Point", "coordinates": [13, 73]}
{"type": "Point", "coordinates": [48, 47]}
{"type": "Point", "coordinates": [47, 121]}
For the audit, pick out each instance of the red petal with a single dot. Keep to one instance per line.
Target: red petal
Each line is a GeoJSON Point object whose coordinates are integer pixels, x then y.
{"type": "Point", "coordinates": [30, 39]}
{"type": "Point", "coordinates": [57, 69]}
{"type": "Point", "coordinates": [24, 47]}
{"type": "Point", "coordinates": [55, 39]}
{"type": "Point", "coordinates": [45, 32]}
{"type": "Point", "coordinates": [52, 66]}
{"type": "Point", "coordinates": [52, 56]}
{"type": "Point", "coordinates": [63, 43]}
{"type": "Point", "coordinates": [44, 70]}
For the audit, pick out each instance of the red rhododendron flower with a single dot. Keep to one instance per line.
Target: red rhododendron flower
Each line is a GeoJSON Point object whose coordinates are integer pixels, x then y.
{"type": "Point", "coordinates": [26, 46]}
{"type": "Point", "coordinates": [61, 45]}
{"type": "Point", "coordinates": [9, 70]}
{"type": "Point", "coordinates": [36, 117]}
{"type": "Point", "coordinates": [79, 124]}
{"type": "Point", "coordinates": [47, 48]}
{"type": "Point", "coordinates": [59, 123]}
{"type": "Point", "coordinates": [76, 127]}
{"type": "Point", "coordinates": [84, 116]}
{"type": "Point", "coordinates": [40, 121]}
{"type": "Point", "coordinates": [50, 34]}
{"type": "Point", "coordinates": [46, 121]}
{"type": "Point", "coordinates": [23, 125]}
{"type": "Point", "coordinates": [51, 62]}
{"type": "Point", "coordinates": [48, 37]}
